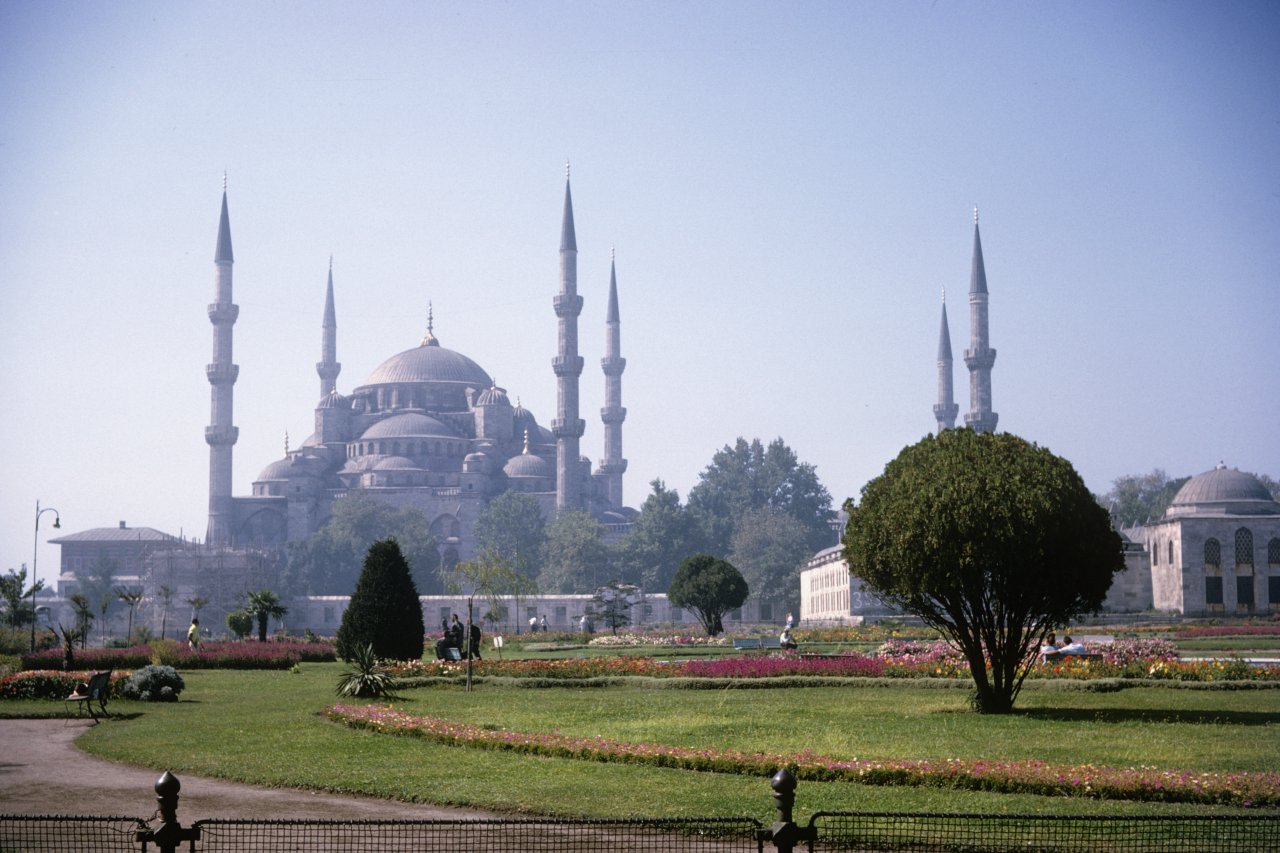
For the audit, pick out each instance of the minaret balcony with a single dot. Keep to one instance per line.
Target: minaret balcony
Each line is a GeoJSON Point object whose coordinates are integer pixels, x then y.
{"type": "Point", "coordinates": [223, 312]}
{"type": "Point", "coordinates": [612, 466]}
{"type": "Point", "coordinates": [328, 369]}
{"type": "Point", "coordinates": [567, 304]}
{"type": "Point", "coordinates": [613, 366]}
{"type": "Point", "coordinates": [567, 365]}
{"type": "Point", "coordinates": [568, 427]}
{"type": "Point", "coordinates": [221, 436]}
{"type": "Point", "coordinates": [982, 358]}
{"type": "Point", "coordinates": [613, 415]}
{"type": "Point", "coordinates": [222, 374]}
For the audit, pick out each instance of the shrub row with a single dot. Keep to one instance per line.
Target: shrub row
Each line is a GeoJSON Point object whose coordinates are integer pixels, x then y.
{"type": "Point", "coordinates": [209, 656]}
{"type": "Point", "coordinates": [50, 684]}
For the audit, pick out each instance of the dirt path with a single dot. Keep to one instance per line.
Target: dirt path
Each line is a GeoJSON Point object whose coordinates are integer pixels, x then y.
{"type": "Point", "coordinates": [42, 772]}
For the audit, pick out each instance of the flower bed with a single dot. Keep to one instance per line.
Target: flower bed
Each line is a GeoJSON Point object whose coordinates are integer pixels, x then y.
{"type": "Point", "coordinates": [209, 656]}
{"type": "Point", "coordinates": [50, 684]}
{"type": "Point", "coordinates": [1129, 659]}
{"type": "Point", "coordinates": [1228, 631]}
{"type": "Point", "coordinates": [663, 640]}
{"type": "Point", "coordinates": [1025, 777]}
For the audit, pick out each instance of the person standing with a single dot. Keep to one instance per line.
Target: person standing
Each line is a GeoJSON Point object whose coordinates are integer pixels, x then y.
{"type": "Point", "coordinates": [790, 620]}
{"type": "Point", "coordinates": [542, 623]}
{"type": "Point", "coordinates": [193, 635]}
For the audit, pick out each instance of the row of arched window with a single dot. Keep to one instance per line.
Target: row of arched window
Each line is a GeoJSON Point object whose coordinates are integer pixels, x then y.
{"type": "Point", "coordinates": [1243, 549]}
{"type": "Point", "coordinates": [411, 448]}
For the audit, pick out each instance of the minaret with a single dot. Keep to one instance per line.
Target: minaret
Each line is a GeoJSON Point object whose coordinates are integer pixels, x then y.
{"type": "Point", "coordinates": [328, 366]}
{"type": "Point", "coordinates": [945, 410]}
{"type": "Point", "coordinates": [567, 426]}
{"type": "Point", "coordinates": [221, 434]}
{"type": "Point", "coordinates": [613, 414]}
{"type": "Point", "coordinates": [979, 357]}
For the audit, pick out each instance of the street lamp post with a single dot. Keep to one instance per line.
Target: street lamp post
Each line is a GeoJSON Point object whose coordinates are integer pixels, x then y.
{"type": "Point", "coordinates": [35, 552]}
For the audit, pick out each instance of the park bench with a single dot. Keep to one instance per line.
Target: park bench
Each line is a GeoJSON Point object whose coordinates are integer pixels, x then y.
{"type": "Point", "coordinates": [1057, 657]}
{"type": "Point", "coordinates": [94, 690]}
{"type": "Point", "coordinates": [747, 644]}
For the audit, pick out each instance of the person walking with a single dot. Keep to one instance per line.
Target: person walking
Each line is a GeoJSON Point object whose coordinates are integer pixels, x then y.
{"type": "Point", "coordinates": [193, 635]}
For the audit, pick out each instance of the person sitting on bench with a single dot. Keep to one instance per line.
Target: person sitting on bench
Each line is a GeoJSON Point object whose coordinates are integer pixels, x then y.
{"type": "Point", "coordinates": [785, 640]}
{"type": "Point", "coordinates": [1070, 647]}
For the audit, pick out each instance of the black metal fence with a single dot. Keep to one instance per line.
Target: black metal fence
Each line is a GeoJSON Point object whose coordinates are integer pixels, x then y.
{"type": "Point", "coordinates": [825, 831]}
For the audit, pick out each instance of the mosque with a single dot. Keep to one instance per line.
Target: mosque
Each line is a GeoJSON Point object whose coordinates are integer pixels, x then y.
{"type": "Point", "coordinates": [428, 428]}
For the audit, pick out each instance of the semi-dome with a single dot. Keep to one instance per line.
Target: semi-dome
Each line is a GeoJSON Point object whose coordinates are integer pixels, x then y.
{"type": "Point", "coordinates": [1224, 490]}
{"type": "Point", "coordinates": [430, 363]}
{"type": "Point", "coordinates": [409, 425]}
{"type": "Point", "coordinates": [396, 463]}
{"type": "Point", "coordinates": [278, 470]}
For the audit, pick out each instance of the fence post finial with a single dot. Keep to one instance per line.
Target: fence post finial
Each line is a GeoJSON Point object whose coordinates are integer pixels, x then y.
{"type": "Point", "coordinates": [785, 834]}
{"type": "Point", "coordinates": [169, 836]}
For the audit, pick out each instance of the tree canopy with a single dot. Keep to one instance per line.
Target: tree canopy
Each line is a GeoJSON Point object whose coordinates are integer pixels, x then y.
{"type": "Point", "coordinates": [16, 595]}
{"type": "Point", "coordinates": [263, 605]}
{"type": "Point", "coordinates": [574, 556]}
{"type": "Point", "coordinates": [384, 611]}
{"type": "Point", "coordinates": [1135, 499]}
{"type": "Point", "coordinates": [991, 540]}
{"type": "Point", "coordinates": [664, 533]}
{"type": "Point", "coordinates": [513, 529]}
{"type": "Point", "coordinates": [710, 587]}
{"type": "Point", "coordinates": [770, 548]}
{"type": "Point", "coordinates": [749, 476]}
{"type": "Point", "coordinates": [328, 561]}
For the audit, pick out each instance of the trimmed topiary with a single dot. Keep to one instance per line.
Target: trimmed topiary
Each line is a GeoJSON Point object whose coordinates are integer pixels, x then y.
{"type": "Point", "coordinates": [385, 612]}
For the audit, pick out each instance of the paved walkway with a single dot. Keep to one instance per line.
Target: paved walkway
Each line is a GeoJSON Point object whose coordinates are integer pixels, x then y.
{"type": "Point", "coordinates": [42, 772]}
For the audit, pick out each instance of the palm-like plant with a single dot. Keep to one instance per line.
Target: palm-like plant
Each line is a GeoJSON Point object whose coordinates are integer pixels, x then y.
{"type": "Point", "coordinates": [131, 596]}
{"type": "Point", "coordinates": [263, 605]}
{"type": "Point", "coordinates": [84, 615]}
{"type": "Point", "coordinates": [366, 681]}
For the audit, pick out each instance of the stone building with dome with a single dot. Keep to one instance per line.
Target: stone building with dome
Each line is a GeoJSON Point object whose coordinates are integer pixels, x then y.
{"type": "Point", "coordinates": [1216, 551]}
{"type": "Point", "coordinates": [429, 428]}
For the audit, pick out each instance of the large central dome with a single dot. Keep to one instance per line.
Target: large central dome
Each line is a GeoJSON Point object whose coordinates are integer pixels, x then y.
{"type": "Point", "coordinates": [430, 363]}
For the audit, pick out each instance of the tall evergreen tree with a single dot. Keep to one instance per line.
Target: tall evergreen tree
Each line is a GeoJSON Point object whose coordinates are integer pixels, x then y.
{"type": "Point", "coordinates": [384, 610]}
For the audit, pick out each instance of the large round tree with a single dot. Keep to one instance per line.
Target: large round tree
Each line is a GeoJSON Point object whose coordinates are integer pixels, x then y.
{"type": "Point", "coordinates": [990, 539]}
{"type": "Point", "coordinates": [710, 587]}
{"type": "Point", "coordinates": [384, 610]}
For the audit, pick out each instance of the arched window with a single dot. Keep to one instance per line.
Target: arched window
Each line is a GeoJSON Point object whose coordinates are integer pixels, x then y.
{"type": "Point", "coordinates": [1273, 552]}
{"type": "Point", "coordinates": [1212, 553]}
{"type": "Point", "coordinates": [1155, 553]}
{"type": "Point", "coordinates": [1244, 547]}
{"type": "Point", "coordinates": [1171, 552]}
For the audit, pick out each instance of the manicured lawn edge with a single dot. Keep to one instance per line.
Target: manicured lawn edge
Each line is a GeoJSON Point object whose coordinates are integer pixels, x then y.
{"type": "Point", "coordinates": [1147, 784]}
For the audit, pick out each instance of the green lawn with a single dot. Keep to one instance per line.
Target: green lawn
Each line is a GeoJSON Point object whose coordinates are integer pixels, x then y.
{"type": "Point", "coordinates": [265, 727]}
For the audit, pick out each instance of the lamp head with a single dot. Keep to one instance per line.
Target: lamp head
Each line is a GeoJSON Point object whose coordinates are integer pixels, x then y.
{"type": "Point", "coordinates": [57, 521]}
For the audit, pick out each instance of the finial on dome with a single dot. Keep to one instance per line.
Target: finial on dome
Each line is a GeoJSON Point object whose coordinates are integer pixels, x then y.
{"type": "Point", "coordinates": [224, 180]}
{"type": "Point", "coordinates": [566, 168]}
{"type": "Point", "coordinates": [526, 442]}
{"type": "Point", "coordinates": [429, 339]}
{"type": "Point", "coordinates": [975, 214]}
{"type": "Point", "coordinates": [286, 442]}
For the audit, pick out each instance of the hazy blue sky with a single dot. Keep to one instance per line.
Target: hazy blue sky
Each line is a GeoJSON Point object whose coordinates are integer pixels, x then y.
{"type": "Point", "coordinates": [788, 186]}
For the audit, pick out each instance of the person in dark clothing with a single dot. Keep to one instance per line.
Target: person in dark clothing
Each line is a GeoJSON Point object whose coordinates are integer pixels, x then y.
{"type": "Point", "coordinates": [474, 651]}
{"type": "Point", "coordinates": [457, 633]}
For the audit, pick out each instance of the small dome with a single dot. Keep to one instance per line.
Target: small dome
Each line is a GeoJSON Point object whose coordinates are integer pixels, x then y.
{"type": "Point", "coordinates": [278, 470]}
{"type": "Point", "coordinates": [529, 465]}
{"type": "Point", "coordinates": [396, 463]}
{"type": "Point", "coordinates": [334, 400]}
{"type": "Point", "coordinates": [409, 425]}
{"type": "Point", "coordinates": [1226, 490]}
{"type": "Point", "coordinates": [493, 396]}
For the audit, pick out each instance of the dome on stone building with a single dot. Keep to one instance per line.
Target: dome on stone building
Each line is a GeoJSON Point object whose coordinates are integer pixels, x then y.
{"type": "Point", "coordinates": [493, 396]}
{"type": "Point", "coordinates": [278, 470]}
{"type": "Point", "coordinates": [409, 425]}
{"type": "Point", "coordinates": [430, 363]}
{"type": "Point", "coordinates": [528, 465]}
{"type": "Point", "coordinates": [1226, 490]}
{"type": "Point", "coordinates": [396, 463]}
{"type": "Point", "coordinates": [334, 400]}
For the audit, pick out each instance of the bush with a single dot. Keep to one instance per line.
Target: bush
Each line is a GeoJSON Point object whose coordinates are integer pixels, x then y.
{"type": "Point", "coordinates": [153, 684]}
{"type": "Point", "coordinates": [165, 652]}
{"type": "Point", "coordinates": [48, 684]}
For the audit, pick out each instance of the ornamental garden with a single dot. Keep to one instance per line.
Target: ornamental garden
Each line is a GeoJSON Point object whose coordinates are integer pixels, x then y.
{"type": "Point", "coordinates": [1182, 719]}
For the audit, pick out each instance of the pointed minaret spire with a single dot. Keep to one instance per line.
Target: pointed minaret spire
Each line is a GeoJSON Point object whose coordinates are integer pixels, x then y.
{"type": "Point", "coordinates": [979, 357]}
{"type": "Point", "coordinates": [221, 434]}
{"type": "Point", "coordinates": [946, 409]}
{"type": "Point", "coordinates": [429, 339]}
{"type": "Point", "coordinates": [328, 366]}
{"type": "Point", "coordinates": [567, 426]}
{"type": "Point", "coordinates": [613, 414]}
